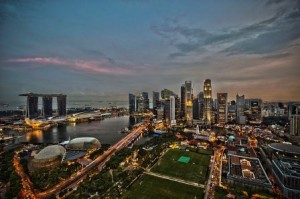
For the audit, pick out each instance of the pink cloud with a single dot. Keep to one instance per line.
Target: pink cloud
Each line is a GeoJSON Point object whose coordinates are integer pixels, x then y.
{"type": "Point", "coordinates": [100, 67]}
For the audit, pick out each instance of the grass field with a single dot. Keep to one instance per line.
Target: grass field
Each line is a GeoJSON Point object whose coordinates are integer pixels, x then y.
{"type": "Point", "coordinates": [195, 170]}
{"type": "Point", "coordinates": [150, 187]}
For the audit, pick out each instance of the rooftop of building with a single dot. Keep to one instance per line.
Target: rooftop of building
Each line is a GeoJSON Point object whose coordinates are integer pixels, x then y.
{"type": "Point", "coordinates": [247, 168]}
{"type": "Point", "coordinates": [50, 152]}
{"type": "Point", "coordinates": [285, 148]}
{"type": "Point", "coordinates": [288, 167]}
{"type": "Point", "coordinates": [42, 95]}
{"type": "Point", "coordinates": [83, 139]}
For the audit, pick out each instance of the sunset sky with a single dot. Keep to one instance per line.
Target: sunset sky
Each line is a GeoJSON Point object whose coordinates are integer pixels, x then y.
{"type": "Point", "coordinates": [106, 49]}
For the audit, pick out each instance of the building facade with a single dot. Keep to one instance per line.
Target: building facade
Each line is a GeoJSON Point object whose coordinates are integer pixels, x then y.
{"type": "Point", "coordinates": [47, 106]}
{"type": "Point", "coordinates": [188, 102]}
{"type": "Point", "coordinates": [155, 98]}
{"type": "Point", "coordinates": [140, 103]}
{"type": "Point", "coordinates": [62, 105]}
{"type": "Point", "coordinates": [32, 107]}
{"type": "Point", "coordinates": [172, 110]}
{"type": "Point", "coordinates": [146, 100]}
{"type": "Point", "coordinates": [131, 103]}
{"type": "Point", "coordinates": [207, 89]}
{"type": "Point", "coordinates": [240, 108]}
{"type": "Point", "coordinates": [222, 108]}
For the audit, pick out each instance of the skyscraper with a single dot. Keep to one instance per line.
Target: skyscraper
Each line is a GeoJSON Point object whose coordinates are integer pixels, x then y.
{"type": "Point", "coordinates": [47, 106]}
{"type": "Point", "coordinates": [222, 108]}
{"type": "Point", "coordinates": [201, 105]}
{"type": "Point", "coordinates": [155, 99]}
{"type": "Point", "coordinates": [32, 107]}
{"type": "Point", "coordinates": [207, 116]}
{"type": "Point", "coordinates": [172, 110]}
{"type": "Point", "coordinates": [140, 103]}
{"type": "Point", "coordinates": [188, 102]}
{"type": "Point", "coordinates": [196, 108]}
{"type": "Point", "coordinates": [146, 100]}
{"type": "Point", "coordinates": [166, 94]}
{"type": "Point", "coordinates": [61, 105]}
{"type": "Point", "coordinates": [240, 108]}
{"type": "Point", "coordinates": [295, 119]}
{"type": "Point", "coordinates": [182, 104]}
{"type": "Point", "coordinates": [131, 103]}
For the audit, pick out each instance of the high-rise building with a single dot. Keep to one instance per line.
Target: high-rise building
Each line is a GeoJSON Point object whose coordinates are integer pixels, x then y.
{"type": "Point", "coordinates": [240, 108]}
{"type": "Point", "coordinates": [32, 107]}
{"type": "Point", "coordinates": [207, 88]}
{"type": "Point", "coordinates": [140, 105]}
{"type": "Point", "coordinates": [146, 100]}
{"type": "Point", "coordinates": [177, 107]}
{"type": "Point", "coordinates": [47, 106]}
{"type": "Point", "coordinates": [295, 125]}
{"type": "Point", "coordinates": [195, 108]}
{"type": "Point", "coordinates": [172, 110]}
{"type": "Point", "coordinates": [295, 119]}
{"type": "Point", "coordinates": [201, 105]}
{"type": "Point", "coordinates": [131, 103]}
{"type": "Point", "coordinates": [155, 99]}
{"type": "Point", "coordinates": [182, 104]}
{"type": "Point", "coordinates": [166, 94]}
{"type": "Point", "coordinates": [166, 107]}
{"type": "Point", "coordinates": [62, 105]}
{"type": "Point", "coordinates": [188, 102]}
{"type": "Point", "coordinates": [222, 108]}
{"type": "Point", "coordinates": [231, 111]}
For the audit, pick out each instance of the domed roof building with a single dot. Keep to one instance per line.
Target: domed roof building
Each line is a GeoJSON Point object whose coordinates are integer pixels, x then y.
{"type": "Point", "coordinates": [84, 143]}
{"type": "Point", "coordinates": [231, 138]}
{"type": "Point", "coordinates": [48, 158]}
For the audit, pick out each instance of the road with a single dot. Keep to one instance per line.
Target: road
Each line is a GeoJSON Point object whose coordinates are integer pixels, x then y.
{"type": "Point", "coordinates": [82, 174]}
{"type": "Point", "coordinates": [215, 173]}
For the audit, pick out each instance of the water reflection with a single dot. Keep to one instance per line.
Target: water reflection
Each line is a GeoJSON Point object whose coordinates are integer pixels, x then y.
{"type": "Point", "coordinates": [35, 136]}
{"type": "Point", "coordinates": [107, 131]}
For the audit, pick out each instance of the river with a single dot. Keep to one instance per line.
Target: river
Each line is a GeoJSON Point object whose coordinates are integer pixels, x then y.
{"type": "Point", "coordinates": [106, 131]}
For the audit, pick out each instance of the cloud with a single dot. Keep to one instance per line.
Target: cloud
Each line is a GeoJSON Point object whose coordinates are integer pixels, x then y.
{"type": "Point", "coordinates": [98, 67]}
{"type": "Point", "coordinates": [274, 33]}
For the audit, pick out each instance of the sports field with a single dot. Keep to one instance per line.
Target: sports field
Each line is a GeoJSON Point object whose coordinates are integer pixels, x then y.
{"type": "Point", "coordinates": [150, 187]}
{"type": "Point", "coordinates": [196, 169]}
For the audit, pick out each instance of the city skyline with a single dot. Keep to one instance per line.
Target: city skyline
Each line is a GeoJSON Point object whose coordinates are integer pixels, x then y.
{"type": "Point", "coordinates": [106, 50]}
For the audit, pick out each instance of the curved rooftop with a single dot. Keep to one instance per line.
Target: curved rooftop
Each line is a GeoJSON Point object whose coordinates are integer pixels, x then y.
{"type": "Point", "coordinates": [50, 152]}
{"type": "Point", "coordinates": [82, 139]}
{"type": "Point", "coordinates": [84, 143]}
{"type": "Point", "coordinates": [286, 148]}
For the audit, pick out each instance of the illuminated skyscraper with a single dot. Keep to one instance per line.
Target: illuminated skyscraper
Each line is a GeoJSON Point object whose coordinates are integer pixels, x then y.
{"type": "Point", "coordinates": [140, 103]}
{"type": "Point", "coordinates": [131, 103]}
{"type": "Point", "coordinates": [207, 102]}
{"type": "Point", "coordinates": [182, 104]}
{"type": "Point", "coordinates": [47, 106]}
{"type": "Point", "coordinates": [188, 102]}
{"type": "Point", "coordinates": [222, 108]}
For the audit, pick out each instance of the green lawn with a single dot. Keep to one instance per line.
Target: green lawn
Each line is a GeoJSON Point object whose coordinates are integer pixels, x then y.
{"type": "Point", "coordinates": [195, 170]}
{"type": "Point", "coordinates": [150, 187]}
